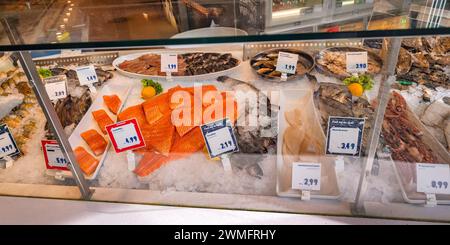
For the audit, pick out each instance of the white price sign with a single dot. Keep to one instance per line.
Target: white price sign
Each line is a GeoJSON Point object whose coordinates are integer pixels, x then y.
{"type": "Point", "coordinates": [344, 135]}
{"type": "Point", "coordinates": [169, 62]}
{"type": "Point", "coordinates": [8, 146]}
{"type": "Point", "coordinates": [56, 87]}
{"type": "Point", "coordinates": [433, 178]}
{"type": "Point", "coordinates": [287, 63]}
{"type": "Point", "coordinates": [219, 138]}
{"type": "Point", "coordinates": [86, 75]}
{"type": "Point", "coordinates": [306, 176]}
{"type": "Point", "coordinates": [357, 62]}
{"type": "Point", "coordinates": [126, 135]}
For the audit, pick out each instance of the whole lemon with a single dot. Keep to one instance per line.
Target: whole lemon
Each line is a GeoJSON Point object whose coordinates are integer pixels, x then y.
{"type": "Point", "coordinates": [148, 92]}
{"type": "Point", "coordinates": [356, 89]}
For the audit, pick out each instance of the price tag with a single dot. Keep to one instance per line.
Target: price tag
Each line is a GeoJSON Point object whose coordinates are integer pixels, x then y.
{"type": "Point", "coordinates": [357, 62]}
{"type": "Point", "coordinates": [86, 75]}
{"type": "Point", "coordinates": [169, 62]}
{"type": "Point", "coordinates": [54, 158]}
{"type": "Point", "coordinates": [344, 136]}
{"type": "Point", "coordinates": [56, 87]}
{"type": "Point", "coordinates": [219, 138]}
{"type": "Point", "coordinates": [306, 176]}
{"type": "Point", "coordinates": [433, 178]}
{"type": "Point", "coordinates": [126, 135]}
{"type": "Point", "coordinates": [287, 63]}
{"type": "Point", "coordinates": [8, 146]}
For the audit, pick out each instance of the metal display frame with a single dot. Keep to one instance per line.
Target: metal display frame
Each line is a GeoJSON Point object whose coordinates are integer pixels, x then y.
{"type": "Point", "coordinates": [393, 48]}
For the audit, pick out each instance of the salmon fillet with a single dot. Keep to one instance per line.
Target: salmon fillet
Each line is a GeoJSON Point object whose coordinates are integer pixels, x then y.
{"type": "Point", "coordinates": [113, 103]}
{"type": "Point", "coordinates": [159, 135]}
{"type": "Point", "coordinates": [133, 112]}
{"type": "Point", "coordinates": [96, 142]}
{"type": "Point", "coordinates": [86, 161]}
{"type": "Point", "coordinates": [102, 119]}
{"type": "Point", "coordinates": [150, 162]}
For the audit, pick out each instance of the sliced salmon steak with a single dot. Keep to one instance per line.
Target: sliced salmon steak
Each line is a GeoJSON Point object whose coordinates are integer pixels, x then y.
{"type": "Point", "coordinates": [156, 107]}
{"type": "Point", "coordinates": [88, 163]}
{"type": "Point", "coordinates": [159, 135]}
{"type": "Point", "coordinates": [150, 162]}
{"type": "Point", "coordinates": [96, 142]}
{"type": "Point", "coordinates": [102, 119]}
{"type": "Point", "coordinates": [113, 103]}
{"type": "Point", "coordinates": [133, 112]}
{"type": "Point", "coordinates": [188, 144]}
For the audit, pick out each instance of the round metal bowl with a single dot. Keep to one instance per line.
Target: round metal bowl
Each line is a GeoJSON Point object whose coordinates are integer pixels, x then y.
{"type": "Point", "coordinates": [304, 59]}
{"type": "Point", "coordinates": [324, 70]}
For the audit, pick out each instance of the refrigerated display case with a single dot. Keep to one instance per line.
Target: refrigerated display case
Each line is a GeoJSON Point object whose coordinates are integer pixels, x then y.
{"type": "Point", "coordinates": [340, 123]}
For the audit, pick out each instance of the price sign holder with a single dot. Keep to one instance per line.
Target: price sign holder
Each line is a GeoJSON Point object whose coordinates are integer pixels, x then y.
{"type": "Point", "coordinates": [287, 64]}
{"type": "Point", "coordinates": [126, 135]}
{"type": "Point", "coordinates": [56, 87]}
{"type": "Point", "coordinates": [53, 156]}
{"type": "Point", "coordinates": [433, 179]}
{"type": "Point", "coordinates": [306, 177]}
{"type": "Point", "coordinates": [169, 64]}
{"type": "Point", "coordinates": [87, 76]}
{"type": "Point", "coordinates": [344, 136]}
{"type": "Point", "coordinates": [8, 146]}
{"type": "Point", "coordinates": [220, 141]}
{"type": "Point", "coordinates": [357, 62]}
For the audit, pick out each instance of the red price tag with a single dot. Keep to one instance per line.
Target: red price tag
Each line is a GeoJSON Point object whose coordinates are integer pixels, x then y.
{"type": "Point", "coordinates": [54, 158]}
{"type": "Point", "coordinates": [126, 135]}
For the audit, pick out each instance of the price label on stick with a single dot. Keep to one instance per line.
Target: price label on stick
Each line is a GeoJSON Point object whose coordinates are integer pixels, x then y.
{"type": "Point", "coordinates": [56, 87]}
{"type": "Point", "coordinates": [433, 178]}
{"type": "Point", "coordinates": [287, 63]}
{"type": "Point", "coordinates": [8, 146]}
{"type": "Point", "coordinates": [219, 138]}
{"type": "Point", "coordinates": [86, 75]}
{"type": "Point", "coordinates": [169, 62]}
{"type": "Point", "coordinates": [126, 135]}
{"type": "Point", "coordinates": [357, 62]}
{"type": "Point", "coordinates": [344, 136]}
{"type": "Point", "coordinates": [306, 176]}
{"type": "Point", "coordinates": [54, 158]}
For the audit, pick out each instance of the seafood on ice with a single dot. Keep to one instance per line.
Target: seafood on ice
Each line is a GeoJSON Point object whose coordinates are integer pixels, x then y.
{"type": "Point", "coordinates": [430, 60]}
{"type": "Point", "coordinates": [96, 142]}
{"type": "Point", "coordinates": [102, 119]}
{"type": "Point", "coordinates": [170, 123]}
{"type": "Point", "coordinates": [189, 64]}
{"type": "Point", "coordinates": [335, 100]}
{"type": "Point", "coordinates": [113, 103]}
{"type": "Point", "coordinates": [402, 136]}
{"type": "Point", "coordinates": [335, 61]}
{"type": "Point", "coordinates": [256, 128]}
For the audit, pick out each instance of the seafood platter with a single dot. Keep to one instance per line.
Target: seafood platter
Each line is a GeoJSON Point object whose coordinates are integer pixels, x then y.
{"type": "Point", "coordinates": [408, 142]}
{"type": "Point", "coordinates": [265, 63]}
{"type": "Point", "coordinates": [302, 140]}
{"type": "Point", "coordinates": [332, 61]}
{"type": "Point", "coordinates": [191, 66]}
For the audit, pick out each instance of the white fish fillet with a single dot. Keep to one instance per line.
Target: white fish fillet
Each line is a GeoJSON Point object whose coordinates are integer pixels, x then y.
{"type": "Point", "coordinates": [7, 103]}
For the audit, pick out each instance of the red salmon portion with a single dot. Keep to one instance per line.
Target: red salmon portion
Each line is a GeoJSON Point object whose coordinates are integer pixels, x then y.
{"type": "Point", "coordinates": [102, 119]}
{"type": "Point", "coordinates": [133, 112]}
{"type": "Point", "coordinates": [86, 161]}
{"type": "Point", "coordinates": [96, 142]}
{"type": "Point", "coordinates": [113, 103]}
